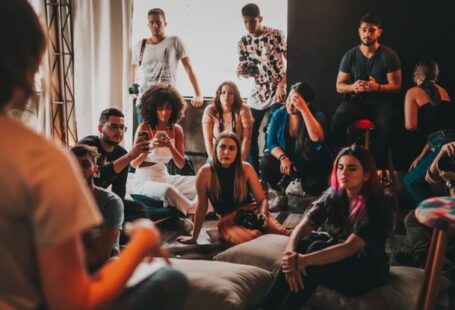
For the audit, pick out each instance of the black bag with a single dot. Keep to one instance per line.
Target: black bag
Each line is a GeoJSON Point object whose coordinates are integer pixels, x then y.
{"type": "Point", "coordinates": [248, 219]}
{"type": "Point", "coordinates": [188, 169]}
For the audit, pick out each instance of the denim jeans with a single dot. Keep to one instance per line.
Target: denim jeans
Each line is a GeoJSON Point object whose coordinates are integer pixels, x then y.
{"type": "Point", "coordinates": [414, 181]}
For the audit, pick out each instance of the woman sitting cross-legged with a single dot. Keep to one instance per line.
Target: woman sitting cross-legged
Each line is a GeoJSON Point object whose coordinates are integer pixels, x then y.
{"type": "Point", "coordinates": [349, 258]}
{"type": "Point", "coordinates": [295, 140]}
{"type": "Point", "coordinates": [232, 187]}
{"type": "Point", "coordinates": [227, 113]}
{"type": "Point", "coordinates": [161, 107]}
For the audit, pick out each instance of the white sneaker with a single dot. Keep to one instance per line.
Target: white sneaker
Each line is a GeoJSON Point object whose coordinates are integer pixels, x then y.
{"type": "Point", "coordinates": [295, 188]}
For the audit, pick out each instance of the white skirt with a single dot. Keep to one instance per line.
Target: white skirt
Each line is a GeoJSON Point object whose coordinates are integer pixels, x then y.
{"type": "Point", "coordinates": [178, 191]}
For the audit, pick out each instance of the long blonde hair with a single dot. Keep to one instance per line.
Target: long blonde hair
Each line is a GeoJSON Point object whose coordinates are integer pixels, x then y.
{"type": "Point", "coordinates": [240, 186]}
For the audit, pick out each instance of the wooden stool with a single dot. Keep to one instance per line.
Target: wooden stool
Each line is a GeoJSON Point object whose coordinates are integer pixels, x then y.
{"type": "Point", "coordinates": [439, 214]}
{"type": "Point", "coordinates": [362, 124]}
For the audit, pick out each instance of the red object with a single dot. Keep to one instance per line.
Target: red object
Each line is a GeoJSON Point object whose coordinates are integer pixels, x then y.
{"type": "Point", "coordinates": [363, 124]}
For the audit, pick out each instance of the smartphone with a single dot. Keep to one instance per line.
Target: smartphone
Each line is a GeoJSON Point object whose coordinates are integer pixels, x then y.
{"type": "Point", "coordinates": [364, 77]}
{"type": "Point", "coordinates": [143, 134]}
{"type": "Point", "coordinates": [161, 135]}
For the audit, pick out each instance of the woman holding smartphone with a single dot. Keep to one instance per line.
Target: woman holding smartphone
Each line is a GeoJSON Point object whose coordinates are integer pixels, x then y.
{"type": "Point", "coordinates": [161, 107]}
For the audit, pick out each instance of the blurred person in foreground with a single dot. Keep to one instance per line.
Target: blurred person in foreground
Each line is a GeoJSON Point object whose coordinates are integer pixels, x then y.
{"type": "Point", "coordinates": [45, 206]}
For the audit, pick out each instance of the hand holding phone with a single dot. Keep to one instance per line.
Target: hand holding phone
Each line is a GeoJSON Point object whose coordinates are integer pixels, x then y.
{"type": "Point", "coordinates": [161, 135]}
{"type": "Point", "coordinates": [143, 134]}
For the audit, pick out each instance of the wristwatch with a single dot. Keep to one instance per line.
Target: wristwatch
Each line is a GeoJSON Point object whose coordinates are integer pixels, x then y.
{"type": "Point", "coordinates": [450, 184]}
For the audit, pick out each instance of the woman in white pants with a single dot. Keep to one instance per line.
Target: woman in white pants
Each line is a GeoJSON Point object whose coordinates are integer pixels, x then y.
{"type": "Point", "coordinates": [161, 107]}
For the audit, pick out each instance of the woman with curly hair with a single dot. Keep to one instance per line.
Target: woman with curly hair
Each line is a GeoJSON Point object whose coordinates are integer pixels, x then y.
{"type": "Point", "coordinates": [233, 188]}
{"type": "Point", "coordinates": [227, 113]}
{"type": "Point", "coordinates": [350, 258]}
{"type": "Point", "coordinates": [162, 107]}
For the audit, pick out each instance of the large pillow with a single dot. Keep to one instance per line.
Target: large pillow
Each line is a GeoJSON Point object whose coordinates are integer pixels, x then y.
{"type": "Point", "coordinates": [223, 286]}
{"type": "Point", "coordinates": [264, 252]}
{"type": "Point", "coordinates": [400, 293]}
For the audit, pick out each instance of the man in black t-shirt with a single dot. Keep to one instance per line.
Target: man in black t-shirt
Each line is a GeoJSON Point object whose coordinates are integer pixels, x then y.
{"type": "Point", "coordinates": [114, 160]}
{"type": "Point", "coordinates": [369, 76]}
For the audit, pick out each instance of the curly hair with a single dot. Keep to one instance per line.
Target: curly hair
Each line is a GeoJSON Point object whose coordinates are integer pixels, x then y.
{"type": "Point", "coordinates": [235, 107]}
{"type": "Point", "coordinates": [157, 96]}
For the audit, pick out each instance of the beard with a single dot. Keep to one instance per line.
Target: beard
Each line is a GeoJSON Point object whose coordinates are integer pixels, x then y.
{"type": "Point", "coordinates": [370, 43]}
{"type": "Point", "coordinates": [108, 141]}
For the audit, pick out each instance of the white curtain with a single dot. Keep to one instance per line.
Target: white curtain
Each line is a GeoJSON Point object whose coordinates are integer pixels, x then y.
{"type": "Point", "coordinates": [102, 61]}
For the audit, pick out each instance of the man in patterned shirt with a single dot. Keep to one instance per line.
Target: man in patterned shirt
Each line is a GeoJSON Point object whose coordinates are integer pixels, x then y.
{"type": "Point", "coordinates": [261, 56]}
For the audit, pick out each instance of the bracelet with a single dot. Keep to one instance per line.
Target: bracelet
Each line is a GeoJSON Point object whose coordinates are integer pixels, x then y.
{"type": "Point", "coordinates": [379, 88]}
{"type": "Point", "coordinates": [282, 156]}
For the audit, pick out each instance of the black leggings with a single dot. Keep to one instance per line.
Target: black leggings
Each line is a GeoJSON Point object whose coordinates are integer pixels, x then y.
{"type": "Point", "coordinates": [350, 276]}
{"type": "Point", "coordinates": [384, 116]}
{"type": "Point", "coordinates": [313, 175]}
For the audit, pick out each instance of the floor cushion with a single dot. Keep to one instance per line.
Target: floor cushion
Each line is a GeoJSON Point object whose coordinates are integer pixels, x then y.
{"type": "Point", "coordinates": [400, 293]}
{"type": "Point", "coordinates": [264, 252]}
{"type": "Point", "coordinates": [221, 285]}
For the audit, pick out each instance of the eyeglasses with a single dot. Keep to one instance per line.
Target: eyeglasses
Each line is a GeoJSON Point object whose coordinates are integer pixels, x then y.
{"type": "Point", "coordinates": [115, 127]}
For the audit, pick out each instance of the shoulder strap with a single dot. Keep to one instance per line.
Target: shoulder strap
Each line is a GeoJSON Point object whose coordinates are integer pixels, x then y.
{"type": "Point", "coordinates": [144, 41]}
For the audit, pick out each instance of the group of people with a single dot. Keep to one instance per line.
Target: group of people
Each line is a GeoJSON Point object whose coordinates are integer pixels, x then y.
{"type": "Point", "coordinates": [69, 224]}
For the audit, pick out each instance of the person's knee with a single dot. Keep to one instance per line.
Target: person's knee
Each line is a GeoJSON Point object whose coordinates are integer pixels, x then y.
{"type": "Point", "coordinates": [267, 163]}
{"type": "Point", "coordinates": [176, 281]}
{"type": "Point", "coordinates": [410, 219]}
{"type": "Point", "coordinates": [170, 191]}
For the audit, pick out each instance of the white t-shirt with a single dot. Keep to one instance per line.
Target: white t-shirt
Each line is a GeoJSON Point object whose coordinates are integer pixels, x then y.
{"type": "Point", "coordinates": [43, 201]}
{"type": "Point", "coordinates": [159, 62]}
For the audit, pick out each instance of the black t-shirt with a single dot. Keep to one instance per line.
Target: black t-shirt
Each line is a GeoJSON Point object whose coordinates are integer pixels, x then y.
{"type": "Point", "coordinates": [384, 61]}
{"type": "Point", "coordinates": [105, 163]}
{"type": "Point", "coordinates": [331, 212]}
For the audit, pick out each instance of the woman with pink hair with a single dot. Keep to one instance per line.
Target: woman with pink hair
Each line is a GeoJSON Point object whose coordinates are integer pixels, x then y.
{"type": "Point", "coordinates": [349, 256]}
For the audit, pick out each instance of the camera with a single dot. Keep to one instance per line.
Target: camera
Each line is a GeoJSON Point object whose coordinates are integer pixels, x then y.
{"type": "Point", "coordinates": [447, 164]}
{"type": "Point", "coordinates": [134, 89]}
{"type": "Point", "coordinates": [250, 68]}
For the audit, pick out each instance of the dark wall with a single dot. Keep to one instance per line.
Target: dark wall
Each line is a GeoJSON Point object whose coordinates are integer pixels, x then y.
{"type": "Point", "coordinates": [321, 31]}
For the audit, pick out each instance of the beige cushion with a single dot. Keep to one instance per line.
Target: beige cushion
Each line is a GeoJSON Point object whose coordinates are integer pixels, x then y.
{"type": "Point", "coordinates": [223, 286]}
{"type": "Point", "coordinates": [264, 252]}
{"type": "Point", "coordinates": [400, 293]}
